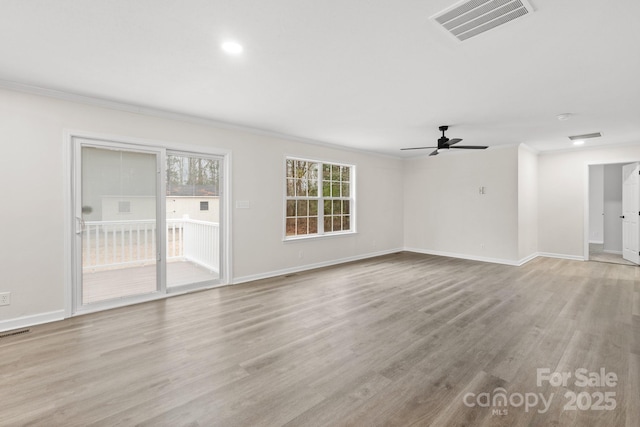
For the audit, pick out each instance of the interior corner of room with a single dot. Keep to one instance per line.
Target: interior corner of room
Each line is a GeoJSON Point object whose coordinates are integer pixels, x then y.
{"type": "Point", "coordinates": [507, 206]}
{"type": "Point", "coordinates": [355, 212]}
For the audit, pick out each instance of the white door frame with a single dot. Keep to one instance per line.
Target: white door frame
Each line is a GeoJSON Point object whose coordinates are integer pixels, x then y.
{"type": "Point", "coordinates": [630, 213]}
{"type": "Point", "coordinates": [160, 156]}
{"type": "Point", "coordinates": [69, 227]}
{"type": "Point", "coordinates": [222, 209]}
{"type": "Point", "coordinates": [613, 161]}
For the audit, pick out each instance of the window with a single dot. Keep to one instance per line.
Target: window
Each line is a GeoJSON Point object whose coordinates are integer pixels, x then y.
{"type": "Point", "coordinates": [204, 206]}
{"type": "Point", "coordinates": [319, 198]}
{"type": "Point", "coordinates": [124, 206]}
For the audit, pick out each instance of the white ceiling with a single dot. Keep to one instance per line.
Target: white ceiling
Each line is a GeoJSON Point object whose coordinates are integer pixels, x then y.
{"type": "Point", "coordinates": [375, 75]}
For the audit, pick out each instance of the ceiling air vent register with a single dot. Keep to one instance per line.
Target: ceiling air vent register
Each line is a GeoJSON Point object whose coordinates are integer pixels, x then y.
{"type": "Point", "coordinates": [585, 136]}
{"type": "Point", "coordinates": [470, 18]}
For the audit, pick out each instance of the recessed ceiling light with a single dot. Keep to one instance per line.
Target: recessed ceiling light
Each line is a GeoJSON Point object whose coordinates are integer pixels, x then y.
{"type": "Point", "coordinates": [232, 48]}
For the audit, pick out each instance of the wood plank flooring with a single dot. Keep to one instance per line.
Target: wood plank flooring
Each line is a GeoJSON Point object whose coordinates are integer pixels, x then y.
{"type": "Point", "coordinates": [399, 340]}
{"type": "Point", "coordinates": [597, 253]}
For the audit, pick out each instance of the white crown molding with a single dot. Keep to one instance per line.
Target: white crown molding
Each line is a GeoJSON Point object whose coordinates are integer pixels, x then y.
{"type": "Point", "coordinates": [172, 115]}
{"type": "Point", "coordinates": [529, 148]}
{"type": "Point", "coordinates": [583, 148]}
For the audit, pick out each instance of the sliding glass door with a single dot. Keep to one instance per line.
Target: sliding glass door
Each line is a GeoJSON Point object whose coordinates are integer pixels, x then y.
{"type": "Point", "coordinates": [147, 221]}
{"type": "Point", "coordinates": [193, 202]}
{"type": "Point", "coordinates": [117, 223]}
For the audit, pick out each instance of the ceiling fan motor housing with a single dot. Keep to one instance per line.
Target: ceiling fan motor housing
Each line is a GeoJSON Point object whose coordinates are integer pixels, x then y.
{"type": "Point", "coordinates": [446, 143]}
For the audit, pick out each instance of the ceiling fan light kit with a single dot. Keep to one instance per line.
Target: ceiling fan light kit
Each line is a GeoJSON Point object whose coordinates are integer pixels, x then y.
{"type": "Point", "coordinates": [445, 143]}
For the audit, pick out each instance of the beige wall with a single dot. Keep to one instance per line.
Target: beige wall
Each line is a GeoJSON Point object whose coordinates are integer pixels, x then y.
{"type": "Point", "coordinates": [562, 192]}
{"type": "Point", "coordinates": [445, 213]}
{"type": "Point", "coordinates": [596, 204]}
{"type": "Point", "coordinates": [33, 167]}
{"type": "Point", "coordinates": [427, 204]}
{"type": "Point", "coordinates": [527, 203]}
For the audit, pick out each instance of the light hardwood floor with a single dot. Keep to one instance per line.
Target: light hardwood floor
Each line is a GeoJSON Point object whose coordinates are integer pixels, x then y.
{"type": "Point", "coordinates": [399, 340]}
{"type": "Point", "coordinates": [597, 253]}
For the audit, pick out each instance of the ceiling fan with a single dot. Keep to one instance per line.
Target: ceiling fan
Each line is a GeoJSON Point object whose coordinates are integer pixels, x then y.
{"type": "Point", "coordinates": [445, 143]}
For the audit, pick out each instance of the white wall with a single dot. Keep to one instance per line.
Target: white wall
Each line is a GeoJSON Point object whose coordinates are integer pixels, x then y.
{"type": "Point", "coordinates": [426, 204]}
{"type": "Point", "coordinates": [563, 186]}
{"type": "Point", "coordinates": [445, 214]}
{"type": "Point", "coordinates": [612, 208]}
{"type": "Point", "coordinates": [596, 204]}
{"type": "Point", "coordinates": [32, 169]}
{"type": "Point", "coordinates": [527, 203]}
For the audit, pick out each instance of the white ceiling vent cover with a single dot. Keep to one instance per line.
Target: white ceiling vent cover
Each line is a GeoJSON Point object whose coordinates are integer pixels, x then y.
{"type": "Point", "coordinates": [585, 136]}
{"type": "Point", "coordinates": [469, 18]}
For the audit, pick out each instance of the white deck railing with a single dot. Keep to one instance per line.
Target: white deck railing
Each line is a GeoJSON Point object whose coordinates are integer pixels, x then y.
{"type": "Point", "coordinates": [107, 244]}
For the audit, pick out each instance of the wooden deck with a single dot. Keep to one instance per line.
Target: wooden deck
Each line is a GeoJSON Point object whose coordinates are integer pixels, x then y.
{"type": "Point", "coordinates": [119, 283]}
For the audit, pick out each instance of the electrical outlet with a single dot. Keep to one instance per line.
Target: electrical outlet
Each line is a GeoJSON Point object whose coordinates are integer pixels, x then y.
{"type": "Point", "coordinates": [5, 298]}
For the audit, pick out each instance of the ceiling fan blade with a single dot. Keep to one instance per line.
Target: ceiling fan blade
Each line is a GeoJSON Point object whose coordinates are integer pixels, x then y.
{"type": "Point", "coordinates": [435, 153]}
{"type": "Point", "coordinates": [453, 141]}
{"type": "Point", "coordinates": [472, 147]}
{"type": "Point", "coordinates": [416, 148]}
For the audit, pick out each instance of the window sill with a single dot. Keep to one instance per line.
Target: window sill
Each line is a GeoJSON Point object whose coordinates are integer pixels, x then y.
{"type": "Point", "coordinates": [318, 236]}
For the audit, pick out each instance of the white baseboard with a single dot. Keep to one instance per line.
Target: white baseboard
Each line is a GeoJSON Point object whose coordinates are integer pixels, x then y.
{"type": "Point", "coordinates": [297, 269]}
{"type": "Point", "coordinates": [518, 263]}
{"type": "Point", "coordinates": [27, 321]}
{"type": "Point", "coordinates": [596, 242]}
{"type": "Point", "coordinates": [469, 257]}
{"type": "Point", "coordinates": [526, 259]}
{"type": "Point", "coordinates": [53, 316]}
{"type": "Point", "coordinates": [606, 251]}
{"type": "Point", "coordinates": [561, 256]}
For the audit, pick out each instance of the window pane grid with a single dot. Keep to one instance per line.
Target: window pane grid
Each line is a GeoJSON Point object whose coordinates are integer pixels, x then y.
{"type": "Point", "coordinates": [306, 209]}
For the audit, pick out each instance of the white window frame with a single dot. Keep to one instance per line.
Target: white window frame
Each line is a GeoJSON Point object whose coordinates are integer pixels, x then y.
{"type": "Point", "coordinates": [320, 198]}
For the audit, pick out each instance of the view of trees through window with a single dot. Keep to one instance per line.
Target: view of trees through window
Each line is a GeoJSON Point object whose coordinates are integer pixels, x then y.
{"type": "Point", "coordinates": [193, 217]}
{"type": "Point", "coordinates": [319, 197]}
{"type": "Point", "coordinates": [192, 176]}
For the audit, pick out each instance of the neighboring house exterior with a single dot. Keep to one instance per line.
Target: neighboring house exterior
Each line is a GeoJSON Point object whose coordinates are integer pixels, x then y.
{"type": "Point", "coordinates": [201, 208]}
{"type": "Point", "coordinates": [129, 208]}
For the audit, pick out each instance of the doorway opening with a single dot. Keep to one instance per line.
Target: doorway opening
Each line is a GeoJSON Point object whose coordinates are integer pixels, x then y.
{"type": "Point", "coordinates": [606, 225]}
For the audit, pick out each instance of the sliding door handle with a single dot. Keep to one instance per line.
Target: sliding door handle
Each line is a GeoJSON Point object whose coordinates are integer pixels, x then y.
{"type": "Point", "coordinates": [80, 223]}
